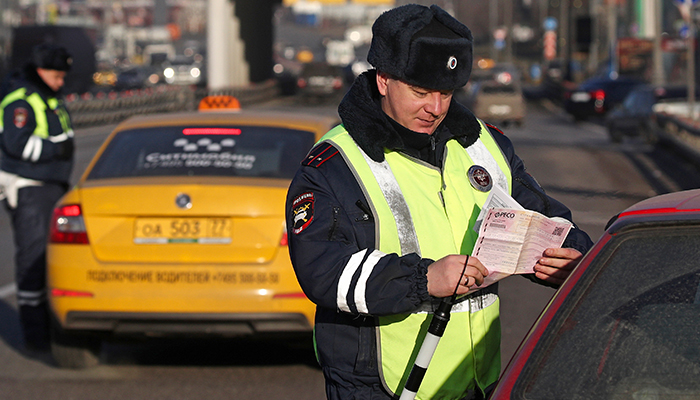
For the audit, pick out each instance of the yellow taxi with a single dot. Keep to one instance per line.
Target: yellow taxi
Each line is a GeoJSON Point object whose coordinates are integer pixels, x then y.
{"type": "Point", "coordinates": [177, 227]}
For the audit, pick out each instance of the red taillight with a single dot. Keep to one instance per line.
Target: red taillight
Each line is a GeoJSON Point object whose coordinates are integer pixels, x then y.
{"type": "Point", "coordinates": [301, 83]}
{"type": "Point", "coordinates": [68, 226]}
{"type": "Point", "coordinates": [296, 295]}
{"type": "Point", "coordinates": [70, 293]}
{"type": "Point", "coordinates": [71, 211]}
{"type": "Point", "coordinates": [599, 103]}
{"type": "Point", "coordinates": [285, 240]}
{"type": "Point", "coordinates": [337, 83]}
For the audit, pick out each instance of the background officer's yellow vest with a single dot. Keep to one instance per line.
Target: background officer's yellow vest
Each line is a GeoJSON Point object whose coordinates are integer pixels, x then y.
{"type": "Point", "coordinates": [39, 107]}
{"type": "Point", "coordinates": [443, 208]}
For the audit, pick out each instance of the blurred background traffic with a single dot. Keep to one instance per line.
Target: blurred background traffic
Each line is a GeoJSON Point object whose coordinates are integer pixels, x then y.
{"type": "Point", "coordinates": [583, 56]}
{"type": "Point", "coordinates": [574, 83]}
{"type": "Point", "coordinates": [222, 44]}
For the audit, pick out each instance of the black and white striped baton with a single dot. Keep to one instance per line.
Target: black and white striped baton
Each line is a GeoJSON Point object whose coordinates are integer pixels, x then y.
{"type": "Point", "coordinates": [441, 317]}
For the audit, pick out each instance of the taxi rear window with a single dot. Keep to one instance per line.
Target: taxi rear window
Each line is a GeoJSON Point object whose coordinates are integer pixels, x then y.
{"type": "Point", "coordinates": [250, 151]}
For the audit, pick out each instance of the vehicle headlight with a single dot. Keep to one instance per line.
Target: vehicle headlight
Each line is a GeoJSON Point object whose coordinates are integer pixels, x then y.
{"type": "Point", "coordinates": [195, 72]}
{"type": "Point", "coordinates": [169, 72]}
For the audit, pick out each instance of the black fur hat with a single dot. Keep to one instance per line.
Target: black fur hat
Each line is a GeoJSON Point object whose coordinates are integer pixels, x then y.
{"type": "Point", "coordinates": [422, 46]}
{"type": "Point", "coordinates": [51, 56]}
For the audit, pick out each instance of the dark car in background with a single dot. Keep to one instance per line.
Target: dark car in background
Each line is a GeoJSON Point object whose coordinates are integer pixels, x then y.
{"type": "Point", "coordinates": [596, 96]}
{"type": "Point", "coordinates": [137, 77]}
{"type": "Point", "coordinates": [633, 116]}
{"type": "Point", "coordinates": [320, 81]}
{"type": "Point", "coordinates": [286, 72]}
{"type": "Point", "coordinates": [626, 323]}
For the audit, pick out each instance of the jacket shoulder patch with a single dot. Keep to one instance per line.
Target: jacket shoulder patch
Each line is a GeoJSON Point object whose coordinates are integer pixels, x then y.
{"type": "Point", "coordinates": [303, 210]}
{"type": "Point", "coordinates": [319, 154]}
{"type": "Point", "coordinates": [20, 117]}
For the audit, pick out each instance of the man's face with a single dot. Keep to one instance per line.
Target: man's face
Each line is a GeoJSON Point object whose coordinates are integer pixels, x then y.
{"type": "Point", "coordinates": [52, 78]}
{"type": "Point", "coordinates": [416, 108]}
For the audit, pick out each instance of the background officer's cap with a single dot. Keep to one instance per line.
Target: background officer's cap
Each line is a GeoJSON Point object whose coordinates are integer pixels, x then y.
{"type": "Point", "coordinates": [422, 46]}
{"type": "Point", "coordinates": [51, 56]}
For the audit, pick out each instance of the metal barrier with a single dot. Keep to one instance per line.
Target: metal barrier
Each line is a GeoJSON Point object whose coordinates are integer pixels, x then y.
{"type": "Point", "coordinates": [680, 130]}
{"type": "Point", "coordinates": [104, 108]}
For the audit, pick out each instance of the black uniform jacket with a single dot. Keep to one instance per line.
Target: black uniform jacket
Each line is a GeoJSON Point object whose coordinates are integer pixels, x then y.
{"type": "Point", "coordinates": [341, 224]}
{"type": "Point", "coordinates": [19, 122]}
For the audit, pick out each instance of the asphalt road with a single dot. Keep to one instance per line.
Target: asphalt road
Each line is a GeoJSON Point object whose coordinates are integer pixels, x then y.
{"type": "Point", "coordinates": [575, 163]}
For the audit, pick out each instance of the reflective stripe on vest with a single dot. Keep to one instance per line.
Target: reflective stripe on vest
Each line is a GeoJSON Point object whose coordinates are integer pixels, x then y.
{"type": "Point", "coordinates": [39, 107]}
{"type": "Point", "coordinates": [385, 185]}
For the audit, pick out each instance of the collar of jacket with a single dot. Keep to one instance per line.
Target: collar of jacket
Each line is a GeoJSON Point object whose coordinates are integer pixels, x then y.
{"type": "Point", "coordinates": [362, 116]}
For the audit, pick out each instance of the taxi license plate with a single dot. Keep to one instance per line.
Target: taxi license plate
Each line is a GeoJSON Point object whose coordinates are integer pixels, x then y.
{"type": "Point", "coordinates": [182, 230]}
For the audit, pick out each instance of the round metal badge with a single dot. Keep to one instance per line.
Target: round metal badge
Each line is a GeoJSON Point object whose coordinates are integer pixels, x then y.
{"type": "Point", "coordinates": [480, 178]}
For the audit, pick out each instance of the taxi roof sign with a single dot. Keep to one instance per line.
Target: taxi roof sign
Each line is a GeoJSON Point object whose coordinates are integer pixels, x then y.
{"type": "Point", "coordinates": [219, 103]}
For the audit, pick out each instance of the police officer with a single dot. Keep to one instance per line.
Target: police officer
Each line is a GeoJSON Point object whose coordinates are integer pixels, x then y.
{"type": "Point", "coordinates": [36, 147]}
{"type": "Point", "coordinates": [380, 218]}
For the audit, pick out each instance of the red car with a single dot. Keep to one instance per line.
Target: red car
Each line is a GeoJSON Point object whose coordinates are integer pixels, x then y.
{"type": "Point", "coordinates": [626, 324]}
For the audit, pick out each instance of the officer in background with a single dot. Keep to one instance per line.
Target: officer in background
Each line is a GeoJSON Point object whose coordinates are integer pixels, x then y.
{"type": "Point", "coordinates": [380, 219]}
{"type": "Point", "coordinates": [36, 149]}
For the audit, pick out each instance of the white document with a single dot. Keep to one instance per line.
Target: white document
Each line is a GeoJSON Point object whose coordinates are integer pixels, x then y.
{"type": "Point", "coordinates": [512, 240]}
{"type": "Point", "coordinates": [497, 198]}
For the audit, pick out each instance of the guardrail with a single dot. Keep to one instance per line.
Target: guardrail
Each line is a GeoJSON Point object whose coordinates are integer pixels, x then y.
{"type": "Point", "coordinates": [674, 124]}
{"type": "Point", "coordinates": [102, 108]}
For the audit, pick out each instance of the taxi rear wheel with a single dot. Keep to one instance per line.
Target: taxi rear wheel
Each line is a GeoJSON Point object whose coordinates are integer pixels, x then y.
{"type": "Point", "coordinates": [74, 351]}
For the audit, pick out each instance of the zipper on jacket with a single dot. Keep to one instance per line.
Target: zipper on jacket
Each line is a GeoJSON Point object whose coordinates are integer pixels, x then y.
{"type": "Point", "coordinates": [334, 227]}
{"type": "Point", "coordinates": [442, 198]}
{"type": "Point", "coordinates": [443, 186]}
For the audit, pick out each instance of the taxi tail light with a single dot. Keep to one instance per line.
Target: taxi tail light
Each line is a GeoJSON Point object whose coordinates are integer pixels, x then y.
{"type": "Point", "coordinates": [293, 295]}
{"type": "Point", "coordinates": [68, 225]}
{"type": "Point", "coordinates": [70, 293]}
{"type": "Point", "coordinates": [284, 242]}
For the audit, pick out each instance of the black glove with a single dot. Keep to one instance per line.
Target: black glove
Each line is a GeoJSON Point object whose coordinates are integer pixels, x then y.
{"type": "Point", "coordinates": [64, 150]}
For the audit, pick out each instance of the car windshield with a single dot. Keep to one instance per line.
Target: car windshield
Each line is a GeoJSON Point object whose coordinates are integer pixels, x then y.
{"type": "Point", "coordinates": [182, 61]}
{"type": "Point", "coordinates": [609, 84]}
{"type": "Point", "coordinates": [639, 100]}
{"type": "Point", "coordinates": [630, 328]}
{"type": "Point", "coordinates": [320, 69]}
{"type": "Point", "coordinates": [251, 151]}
